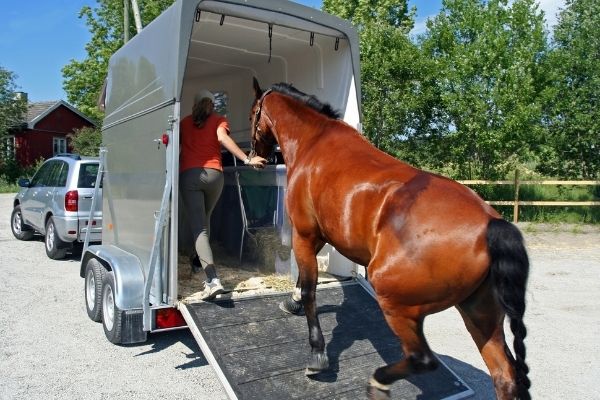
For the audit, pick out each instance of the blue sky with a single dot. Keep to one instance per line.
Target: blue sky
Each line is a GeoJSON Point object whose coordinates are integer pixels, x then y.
{"type": "Point", "coordinates": [39, 37]}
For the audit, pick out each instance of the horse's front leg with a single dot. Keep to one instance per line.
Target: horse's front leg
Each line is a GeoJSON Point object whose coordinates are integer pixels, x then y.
{"type": "Point", "coordinates": [305, 251]}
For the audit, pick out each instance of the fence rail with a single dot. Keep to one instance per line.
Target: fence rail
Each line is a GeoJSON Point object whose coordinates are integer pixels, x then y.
{"type": "Point", "coordinates": [518, 183]}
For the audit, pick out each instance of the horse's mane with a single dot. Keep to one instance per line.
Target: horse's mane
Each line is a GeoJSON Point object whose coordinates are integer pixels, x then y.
{"type": "Point", "coordinates": [309, 100]}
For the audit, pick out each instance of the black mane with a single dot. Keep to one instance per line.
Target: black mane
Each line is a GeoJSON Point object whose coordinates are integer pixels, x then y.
{"type": "Point", "coordinates": [309, 100]}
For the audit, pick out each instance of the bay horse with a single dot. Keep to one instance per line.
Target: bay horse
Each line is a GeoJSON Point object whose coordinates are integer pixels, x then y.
{"type": "Point", "coordinates": [428, 242]}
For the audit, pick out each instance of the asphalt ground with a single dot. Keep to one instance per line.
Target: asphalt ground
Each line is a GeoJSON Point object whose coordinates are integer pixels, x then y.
{"type": "Point", "coordinates": [49, 349]}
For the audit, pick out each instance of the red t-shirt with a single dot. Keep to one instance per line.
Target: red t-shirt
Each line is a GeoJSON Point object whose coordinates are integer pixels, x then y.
{"type": "Point", "coordinates": [200, 147]}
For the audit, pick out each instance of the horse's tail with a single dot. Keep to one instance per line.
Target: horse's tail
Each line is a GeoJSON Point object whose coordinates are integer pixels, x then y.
{"type": "Point", "coordinates": [509, 271]}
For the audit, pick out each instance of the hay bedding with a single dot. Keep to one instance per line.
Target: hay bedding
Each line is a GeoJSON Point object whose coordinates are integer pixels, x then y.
{"type": "Point", "coordinates": [239, 280]}
{"type": "Point", "coordinates": [265, 269]}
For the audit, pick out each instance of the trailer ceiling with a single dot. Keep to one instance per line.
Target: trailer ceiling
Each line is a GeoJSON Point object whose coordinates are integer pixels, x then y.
{"type": "Point", "coordinates": [221, 44]}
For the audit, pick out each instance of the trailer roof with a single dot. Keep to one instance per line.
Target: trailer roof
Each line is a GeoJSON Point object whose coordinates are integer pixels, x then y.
{"type": "Point", "coordinates": [148, 71]}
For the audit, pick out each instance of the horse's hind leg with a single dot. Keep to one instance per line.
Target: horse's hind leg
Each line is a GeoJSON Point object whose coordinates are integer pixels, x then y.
{"type": "Point", "coordinates": [484, 318]}
{"type": "Point", "coordinates": [418, 357]}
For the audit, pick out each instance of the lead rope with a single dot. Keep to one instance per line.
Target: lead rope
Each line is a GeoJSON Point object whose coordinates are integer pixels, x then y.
{"type": "Point", "coordinates": [270, 40]}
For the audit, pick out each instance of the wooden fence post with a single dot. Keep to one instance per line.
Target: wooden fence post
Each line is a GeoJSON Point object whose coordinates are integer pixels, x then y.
{"type": "Point", "coordinates": [516, 205]}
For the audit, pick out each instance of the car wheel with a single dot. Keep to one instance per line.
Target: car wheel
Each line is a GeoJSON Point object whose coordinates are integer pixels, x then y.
{"type": "Point", "coordinates": [111, 315]}
{"type": "Point", "coordinates": [53, 242]}
{"type": "Point", "coordinates": [20, 230]}
{"type": "Point", "coordinates": [94, 276]}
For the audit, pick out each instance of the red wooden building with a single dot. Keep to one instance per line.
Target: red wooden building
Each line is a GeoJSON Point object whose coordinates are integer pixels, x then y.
{"type": "Point", "coordinates": [45, 132]}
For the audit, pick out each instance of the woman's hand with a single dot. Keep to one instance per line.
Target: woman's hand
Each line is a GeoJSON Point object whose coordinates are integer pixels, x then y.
{"type": "Point", "coordinates": [257, 162]}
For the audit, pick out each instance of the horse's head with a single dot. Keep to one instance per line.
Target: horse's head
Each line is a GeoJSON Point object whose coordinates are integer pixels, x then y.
{"type": "Point", "coordinates": [262, 138]}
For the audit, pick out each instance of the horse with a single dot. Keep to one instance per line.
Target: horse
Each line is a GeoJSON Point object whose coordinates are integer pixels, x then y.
{"type": "Point", "coordinates": [428, 242]}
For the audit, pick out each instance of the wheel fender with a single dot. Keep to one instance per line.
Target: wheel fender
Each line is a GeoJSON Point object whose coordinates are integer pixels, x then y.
{"type": "Point", "coordinates": [126, 269]}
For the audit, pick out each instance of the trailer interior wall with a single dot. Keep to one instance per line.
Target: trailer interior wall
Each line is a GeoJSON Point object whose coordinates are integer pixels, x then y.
{"type": "Point", "coordinates": [225, 58]}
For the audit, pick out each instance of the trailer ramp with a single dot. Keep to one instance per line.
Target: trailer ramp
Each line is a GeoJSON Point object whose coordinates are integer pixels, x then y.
{"type": "Point", "coordinates": [260, 352]}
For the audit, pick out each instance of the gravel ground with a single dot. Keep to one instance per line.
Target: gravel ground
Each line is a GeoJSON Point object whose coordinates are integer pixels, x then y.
{"type": "Point", "coordinates": [51, 350]}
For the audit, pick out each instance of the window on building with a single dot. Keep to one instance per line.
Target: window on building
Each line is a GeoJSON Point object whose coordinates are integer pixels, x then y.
{"type": "Point", "coordinates": [59, 145]}
{"type": "Point", "coordinates": [8, 147]}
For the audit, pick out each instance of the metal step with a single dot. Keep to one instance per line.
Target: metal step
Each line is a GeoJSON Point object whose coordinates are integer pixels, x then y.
{"type": "Point", "coordinates": [260, 352]}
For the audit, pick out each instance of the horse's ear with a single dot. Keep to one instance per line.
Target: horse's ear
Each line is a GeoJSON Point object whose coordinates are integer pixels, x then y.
{"type": "Point", "coordinates": [257, 90]}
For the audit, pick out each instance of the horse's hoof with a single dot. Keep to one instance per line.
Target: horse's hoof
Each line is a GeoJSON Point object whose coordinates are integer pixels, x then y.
{"type": "Point", "coordinates": [291, 306]}
{"type": "Point", "coordinates": [318, 363]}
{"type": "Point", "coordinates": [374, 393]}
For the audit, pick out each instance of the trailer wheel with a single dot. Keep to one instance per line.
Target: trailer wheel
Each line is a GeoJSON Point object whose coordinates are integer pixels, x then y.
{"type": "Point", "coordinates": [20, 230]}
{"type": "Point", "coordinates": [53, 242]}
{"type": "Point", "coordinates": [112, 317]}
{"type": "Point", "coordinates": [94, 276]}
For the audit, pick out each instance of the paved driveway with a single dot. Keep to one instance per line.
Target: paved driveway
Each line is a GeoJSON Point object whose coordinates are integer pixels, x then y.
{"type": "Point", "coordinates": [49, 349]}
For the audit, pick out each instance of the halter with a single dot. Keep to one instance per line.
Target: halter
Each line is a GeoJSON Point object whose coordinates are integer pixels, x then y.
{"type": "Point", "coordinates": [256, 121]}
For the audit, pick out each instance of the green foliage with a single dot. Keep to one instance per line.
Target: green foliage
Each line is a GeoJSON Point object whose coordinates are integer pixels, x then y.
{"type": "Point", "coordinates": [11, 171]}
{"type": "Point", "coordinates": [86, 141]}
{"type": "Point", "coordinates": [8, 187]}
{"type": "Point", "coordinates": [12, 110]}
{"type": "Point", "coordinates": [572, 148]}
{"type": "Point", "coordinates": [392, 69]}
{"type": "Point", "coordinates": [83, 80]}
{"type": "Point", "coordinates": [487, 70]}
{"type": "Point", "coordinates": [364, 13]}
{"type": "Point", "coordinates": [463, 99]}
{"type": "Point", "coordinates": [572, 214]}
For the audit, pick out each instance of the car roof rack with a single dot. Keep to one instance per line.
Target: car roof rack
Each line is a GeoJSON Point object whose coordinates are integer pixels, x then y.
{"type": "Point", "coordinates": [69, 155]}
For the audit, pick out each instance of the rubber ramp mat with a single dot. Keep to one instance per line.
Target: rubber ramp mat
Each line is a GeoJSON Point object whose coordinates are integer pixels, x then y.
{"type": "Point", "coordinates": [261, 352]}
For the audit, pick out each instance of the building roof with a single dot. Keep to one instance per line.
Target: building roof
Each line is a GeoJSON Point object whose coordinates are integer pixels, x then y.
{"type": "Point", "coordinates": [38, 110]}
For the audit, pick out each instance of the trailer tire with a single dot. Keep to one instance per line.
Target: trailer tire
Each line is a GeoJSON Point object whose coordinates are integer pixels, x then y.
{"type": "Point", "coordinates": [19, 229]}
{"type": "Point", "coordinates": [53, 244]}
{"type": "Point", "coordinates": [112, 317]}
{"type": "Point", "coordinates": [94, 277]}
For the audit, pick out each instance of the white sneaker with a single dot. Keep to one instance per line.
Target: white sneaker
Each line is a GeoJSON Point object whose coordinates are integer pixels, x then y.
{"type": "Point", "coordinates": [212, 289]}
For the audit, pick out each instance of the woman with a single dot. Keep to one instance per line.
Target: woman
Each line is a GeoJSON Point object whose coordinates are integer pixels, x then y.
{"type": "Point", "coordinates": [201, 177]}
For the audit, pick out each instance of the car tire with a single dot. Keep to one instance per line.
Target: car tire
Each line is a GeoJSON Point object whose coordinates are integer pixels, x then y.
{"type": "Point", "coordinates": [54, 246]}
{"type": "Point", "coordinates": [19, 229]}
{"type": "Point", "coordinates": [112, 317]}
{"type": "Point", "coordinates": [94, 278]}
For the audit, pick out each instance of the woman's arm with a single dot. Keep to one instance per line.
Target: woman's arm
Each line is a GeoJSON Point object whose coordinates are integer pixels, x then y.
{"type": "Point", "coordinates": [234, 149]}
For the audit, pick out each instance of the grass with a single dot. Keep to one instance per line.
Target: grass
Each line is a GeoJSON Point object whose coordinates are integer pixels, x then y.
{"type": "Point", "coordinates": [546, 214]}
{"type": "Point", "coordinates": [6, 187]}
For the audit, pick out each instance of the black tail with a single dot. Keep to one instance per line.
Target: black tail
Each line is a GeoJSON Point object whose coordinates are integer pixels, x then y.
{"type": "Point", "coordinates": [509, 271]}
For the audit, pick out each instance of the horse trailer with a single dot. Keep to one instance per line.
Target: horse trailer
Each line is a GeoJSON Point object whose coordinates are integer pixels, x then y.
{"type": "Point", "coordinates": [138, 280]}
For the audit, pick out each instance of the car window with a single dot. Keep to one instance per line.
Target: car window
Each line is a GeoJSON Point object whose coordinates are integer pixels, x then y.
{"type": "Point", "coordinates": [62, 176]}
{"type": "Point", "coordinates": [52, 179]}
{"type": "Point", "coordinates": [87, 175]}
{"type": "Point", "coordinates": [41, 176]}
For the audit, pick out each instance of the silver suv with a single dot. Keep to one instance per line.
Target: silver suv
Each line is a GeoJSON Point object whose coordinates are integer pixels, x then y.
{"type": "Point", "coordinates": [56, 202]}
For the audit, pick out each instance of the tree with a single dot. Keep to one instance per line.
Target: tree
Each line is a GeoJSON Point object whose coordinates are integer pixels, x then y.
{"type": "Point", "coordinates": [12, 116]}
{"type": "Point", "coordinates": [86, 141]}
{"type": "Point", "coordinates": [572, 149]}
{"type": "Point", "coordinates": [12, 108]}
{"type": "Point", "coordinates": [488, 71]}
{"type": "Point", "coordinates": [391, 70]}
{"type": "Point", "coordinates": [83, 80]}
